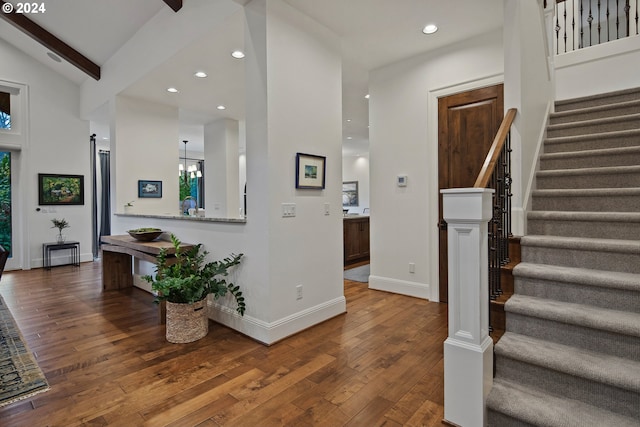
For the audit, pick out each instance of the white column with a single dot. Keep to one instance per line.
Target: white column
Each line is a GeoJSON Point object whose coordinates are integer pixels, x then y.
{"type": "Point", "coordinates": [468, 351]}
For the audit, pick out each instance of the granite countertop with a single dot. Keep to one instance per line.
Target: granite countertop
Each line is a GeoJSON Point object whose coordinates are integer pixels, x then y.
{"type": "Point", "coordinates": [184, 218]}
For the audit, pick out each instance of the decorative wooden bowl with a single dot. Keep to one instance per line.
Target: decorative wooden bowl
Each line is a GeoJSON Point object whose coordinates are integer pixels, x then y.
{"type": "Point", "coordinates": [145, 234]}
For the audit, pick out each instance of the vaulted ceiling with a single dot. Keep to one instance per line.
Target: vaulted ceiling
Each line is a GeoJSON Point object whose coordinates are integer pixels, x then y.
{"type": "Point", "coordinates": [374, 33]}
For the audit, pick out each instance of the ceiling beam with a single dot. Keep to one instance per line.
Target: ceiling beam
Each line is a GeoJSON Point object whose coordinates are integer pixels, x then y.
{"type": "Point", "coordinates": [48, 40]}
{"type": "Point", "coordinates": [176, 5]}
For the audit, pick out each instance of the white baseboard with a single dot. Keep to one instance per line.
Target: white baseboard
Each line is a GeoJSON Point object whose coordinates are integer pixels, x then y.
{"type": "Point", "coordinates": [412, 289]}
{"type": "Point", "coordinates": [272, 332]}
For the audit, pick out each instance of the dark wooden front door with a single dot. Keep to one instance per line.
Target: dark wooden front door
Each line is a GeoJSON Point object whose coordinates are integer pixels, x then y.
{"type": "Point", "coordinates": [467, 124]}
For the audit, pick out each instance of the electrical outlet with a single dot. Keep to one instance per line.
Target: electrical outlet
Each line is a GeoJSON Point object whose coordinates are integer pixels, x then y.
{"type": "Point", "coordinates": [299, 292]}
{"type": "Point", "coordinates": [412, 267]}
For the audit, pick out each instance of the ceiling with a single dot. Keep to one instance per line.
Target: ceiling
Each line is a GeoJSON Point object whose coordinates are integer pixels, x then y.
{"type": "Point", "coordinates": [374, 33]}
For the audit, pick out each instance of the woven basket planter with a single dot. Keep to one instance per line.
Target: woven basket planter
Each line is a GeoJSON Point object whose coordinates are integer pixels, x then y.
{"type": "Point", "coordinates": [187, 322]}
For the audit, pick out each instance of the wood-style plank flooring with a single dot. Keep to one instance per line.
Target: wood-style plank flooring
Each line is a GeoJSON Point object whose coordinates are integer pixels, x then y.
{"type": "Point", "coordinates": [108, 364]}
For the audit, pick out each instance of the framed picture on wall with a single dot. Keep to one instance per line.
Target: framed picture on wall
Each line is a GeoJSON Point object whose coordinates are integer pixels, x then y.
{"type": "Point", "coordinates": [310, 171]}
{"type": "Point", "coordinates": [149, 189]}
{"type": "Point", "coordinates": [57, 189]}
{"type": "Point", "coordinates": [350, 193]}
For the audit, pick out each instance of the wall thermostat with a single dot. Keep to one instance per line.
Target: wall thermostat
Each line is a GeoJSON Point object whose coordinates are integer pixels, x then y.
{"type": "Point", "coordinates": [402, 180]}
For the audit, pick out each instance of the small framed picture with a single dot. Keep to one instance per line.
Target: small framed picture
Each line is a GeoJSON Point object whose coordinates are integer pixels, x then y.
{"type": "Point", "coordinates": [310, 171]}
{"type": "Point", "coordinates": [149, 189]}
{"type": "Point", "coordinates": [350, 193]}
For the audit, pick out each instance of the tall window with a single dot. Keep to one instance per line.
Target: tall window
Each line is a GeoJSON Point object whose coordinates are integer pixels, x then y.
{"type": "Point", "coordinates": [5, 110]}
{"type": "Point", "coordinates": [5, 200]}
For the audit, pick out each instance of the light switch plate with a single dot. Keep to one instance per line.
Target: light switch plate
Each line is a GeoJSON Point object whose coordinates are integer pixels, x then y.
{"type": "Point", "coordinates": [288, 210]}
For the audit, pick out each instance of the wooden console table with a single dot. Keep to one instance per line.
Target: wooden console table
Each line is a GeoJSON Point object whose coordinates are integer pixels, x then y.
{"type": "Point", "coordinates": [118, 252]}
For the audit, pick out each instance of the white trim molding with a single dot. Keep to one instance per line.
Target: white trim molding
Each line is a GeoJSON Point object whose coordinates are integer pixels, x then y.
{"type": "Point", "coordinates": [271, 332]}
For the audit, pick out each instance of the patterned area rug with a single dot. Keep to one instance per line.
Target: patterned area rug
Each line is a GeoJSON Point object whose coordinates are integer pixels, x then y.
{"type": "Point", "coordinates": [20, 375]}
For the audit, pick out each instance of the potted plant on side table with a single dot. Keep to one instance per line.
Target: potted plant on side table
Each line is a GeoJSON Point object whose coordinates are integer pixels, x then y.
{"type": "Point", "coordinates": [60, 224]}
{"type": "Point", "coordinates": [185, 285]}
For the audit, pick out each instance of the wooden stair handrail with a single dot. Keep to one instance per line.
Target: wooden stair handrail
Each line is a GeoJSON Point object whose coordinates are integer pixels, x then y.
{"type": "Point", "coordinates": [495, 150]}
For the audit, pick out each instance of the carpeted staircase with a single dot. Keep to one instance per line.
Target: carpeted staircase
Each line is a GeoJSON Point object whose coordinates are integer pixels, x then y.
{"type": "Point", "coordinates": [570, 355]}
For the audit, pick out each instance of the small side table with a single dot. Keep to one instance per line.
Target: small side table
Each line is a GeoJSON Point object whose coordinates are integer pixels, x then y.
{"type": "Point", "coordinates": [73, 246]}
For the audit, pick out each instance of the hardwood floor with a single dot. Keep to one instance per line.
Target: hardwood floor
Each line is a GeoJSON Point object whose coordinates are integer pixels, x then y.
{"type": "Point", "coordinates": [107, 362]}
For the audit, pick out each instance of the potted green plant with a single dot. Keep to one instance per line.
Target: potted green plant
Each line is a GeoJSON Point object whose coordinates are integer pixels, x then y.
{"type": "Point", "coordinates": [60, 224]}
{"type": "Point", "coordinates": [184, 282]}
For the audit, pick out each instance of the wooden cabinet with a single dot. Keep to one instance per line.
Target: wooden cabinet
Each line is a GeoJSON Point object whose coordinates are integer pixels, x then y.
{"type": "Point", "coordinates": [356, 239]}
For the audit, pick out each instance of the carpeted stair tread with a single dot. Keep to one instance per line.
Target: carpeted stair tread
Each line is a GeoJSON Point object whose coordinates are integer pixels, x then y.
{"type": "Point", "coordinates": [588, 192]}
{"type": "Point", "coordinates": [540, 409]}
{"type": "Point", "coordinates": [587, 199]}
{"type": "Point", "coordinates": [564, 242]}
{"type": "Point", "coordinates": [620, 322]}
{"type": "Point", "coordinates": [605, 110]}
{"type": "Point", "coordinates": [597, 99]}
{"type": "Point", "coordinates": [616, 156]}
{"type": "Point", "coordinates": [625, 217]}
{"type": "Point", "coordinates": [585, 127]}
{"type": "Point", "coordinates": [582, 276]}
{"type": "Point", "coordinates": [607, 170]}
{"type": "Point", "coordinates": [591, 177]}
{"type": "Point", "coordinates": [615, 138]}
{"type": "Point", "coordinates": [590, 365]}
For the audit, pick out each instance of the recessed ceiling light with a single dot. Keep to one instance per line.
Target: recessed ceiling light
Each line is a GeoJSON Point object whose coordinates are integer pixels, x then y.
{"type": "Point", "coordinates": [172, 90]}
{"type": "Point", "coordinates": [348, 120]}
{"type": "Point", "coordinates": [105, 138]}
{"type": "Point", "coordinates": [238, 54]}
{"type": "Point", "coordinates": [349, 137]}
{"type": "Point", "coordinates": [221, 107]}
{"type": "Point", "coordinates": [201, 74]}
{"type": "Point", "coordinates": [366, 96]}
{"type": "Point", "coordinates": [430, 29]}
{"type": "Point", "coordinates": [54, 56]}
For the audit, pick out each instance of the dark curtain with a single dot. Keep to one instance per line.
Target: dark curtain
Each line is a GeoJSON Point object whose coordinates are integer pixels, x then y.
{"type": "Point", "coordinates": [94, 199]}
{"type": "Point", "coordinates": [201, 185]}
{"type": "Point", "coordinates": [105, 176]}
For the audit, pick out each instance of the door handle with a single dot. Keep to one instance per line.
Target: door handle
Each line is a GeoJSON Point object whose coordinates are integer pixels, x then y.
{"type": "Point", "coordinates": [442, 225]}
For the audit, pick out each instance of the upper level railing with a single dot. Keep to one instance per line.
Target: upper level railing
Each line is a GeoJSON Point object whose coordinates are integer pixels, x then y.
{"type": "Point", "coordinates": [496, 174]}
{"type": "Point", "coordinates": [584, 23]}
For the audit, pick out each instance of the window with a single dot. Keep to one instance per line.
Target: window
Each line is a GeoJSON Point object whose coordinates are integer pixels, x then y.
{"type": "Point", "coordinates": [5, 200]}
{"type": "Point", "coordinates": [5, 110]}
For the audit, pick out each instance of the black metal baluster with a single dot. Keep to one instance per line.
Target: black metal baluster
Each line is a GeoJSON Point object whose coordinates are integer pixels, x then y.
{"type": "Point", "coordinates": [599, 20]}
{"type": "Point", "coordinates": [573, 27]}
{"type": "Point", "coordinates": [581, 24]}
{"type": "Point", "coordinates": [608, 34]}
{"type": "Point", "coordinates": [557, 31]}
{"type": "Point", "coordinates": [626, 12]}
{"type": "Point", "coordinates": [617, 19]}
{"type": "Point", "coordinates": [565, 28]}
{"type": "Point", "coordinates": [590, 20]}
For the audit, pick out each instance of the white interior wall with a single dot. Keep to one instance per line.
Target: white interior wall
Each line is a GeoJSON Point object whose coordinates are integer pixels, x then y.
{"type": "Point", "coordinates": [584, 72]}
{"type": "Point", "coordinates": [56, 141]}
{"type": "Point", "coordinates": [403, 219]}
{"type": "Point", "coordinates": [529, 88]}
{"type": "Point", "coordinates": [356, 168]}
{"type": "Point", "coordinates": [307, 118]}
{"type": "Point", "coordinates": [285, 115]}
{"type": "Point", "coordinates": [222, 168]}
{"type": "Point", "coordinates": [145, 148]}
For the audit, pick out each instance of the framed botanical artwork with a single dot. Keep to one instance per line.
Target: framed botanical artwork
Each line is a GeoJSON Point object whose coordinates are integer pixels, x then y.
{"type": "Point", "coordinates": [149, 189]}
{"type": "Point", "coordinates": [310, 171]}
{"type": "Point", "coordinates": [58, 189]}
{"type": "Point", "coordinates": [350, 193]}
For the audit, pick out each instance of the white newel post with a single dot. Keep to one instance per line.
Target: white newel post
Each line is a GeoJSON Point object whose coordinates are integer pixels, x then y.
{"type": "Point", "coordinates": [468, 351]}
